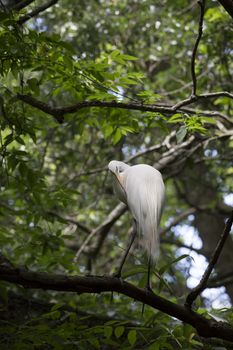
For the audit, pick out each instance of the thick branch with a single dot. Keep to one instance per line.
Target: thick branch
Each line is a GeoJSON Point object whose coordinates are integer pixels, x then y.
{"type": "Point", "coordinates": [58, 112]}
{"type": "Point", "coordinates": [94, 284]}
{"type": "Point", "coordinates": [213, 260]}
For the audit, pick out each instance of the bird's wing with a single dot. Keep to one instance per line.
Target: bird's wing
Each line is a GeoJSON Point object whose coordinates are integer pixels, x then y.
{"type": "Point", "coordinates": [145, 197]}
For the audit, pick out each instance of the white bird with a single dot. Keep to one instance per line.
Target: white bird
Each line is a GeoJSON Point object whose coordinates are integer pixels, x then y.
{"type": "Point", "coordinates": [142, 189]}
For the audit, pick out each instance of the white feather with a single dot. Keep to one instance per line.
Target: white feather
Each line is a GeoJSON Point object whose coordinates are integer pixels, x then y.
{"type": "Point", "coordinates": [145, 195]}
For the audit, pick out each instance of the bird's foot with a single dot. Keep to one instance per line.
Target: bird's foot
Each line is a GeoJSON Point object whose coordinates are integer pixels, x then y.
{"type": "Point", "coordinates": [117, 275]}
{"type": "Point", "coordinates": [149, 289]}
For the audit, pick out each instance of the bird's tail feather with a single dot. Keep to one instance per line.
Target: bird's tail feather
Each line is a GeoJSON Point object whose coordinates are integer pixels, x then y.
{"type": "Point", "coordinates": [149, 225]}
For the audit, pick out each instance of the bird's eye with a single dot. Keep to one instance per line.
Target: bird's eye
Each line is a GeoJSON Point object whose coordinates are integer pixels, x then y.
{"type": "Point", "coordinates": [120, 170]}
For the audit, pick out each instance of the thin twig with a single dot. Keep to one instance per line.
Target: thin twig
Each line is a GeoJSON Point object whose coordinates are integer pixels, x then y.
{"type": "Point", "coordinates": [179, 244]}
{"type": "Point", "coordinates": [178, 219]}
{"type": "Point", "coordinates": [184, 86]}
{"type": "Point", "coordinates": [104, 227]}
{"type": "Point", "coordinates": [193, 59]}
{"type": "Point", "coordinates": [196, 98]}
{"type": "Point", "coordinates": [69, 220]}
{"type": "Point", "coordinates": [213, 260]}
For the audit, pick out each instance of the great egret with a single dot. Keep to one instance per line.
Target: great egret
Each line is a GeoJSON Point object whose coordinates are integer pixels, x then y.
{"type": "Point", "coordinates": [142, 189]}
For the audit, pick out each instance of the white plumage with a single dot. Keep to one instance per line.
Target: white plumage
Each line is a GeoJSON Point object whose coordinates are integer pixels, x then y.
{"type": "Point", "coordinates": [141, 187]}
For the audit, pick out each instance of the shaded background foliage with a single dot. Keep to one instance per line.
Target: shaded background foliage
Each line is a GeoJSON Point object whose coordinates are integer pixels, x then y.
{"type": "Point", "coordinates": [54, 185]}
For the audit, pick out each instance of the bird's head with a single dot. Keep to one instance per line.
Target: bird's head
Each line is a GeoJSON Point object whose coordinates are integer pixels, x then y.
{"type": "Point", "coordinates": [116, 167]}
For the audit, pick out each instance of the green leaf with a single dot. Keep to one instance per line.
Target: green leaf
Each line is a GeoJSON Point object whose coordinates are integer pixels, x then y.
{"type": "Point", "coordinates": [23, 169]}
{"type": "Point", "coordinates": [149, 97]}
{"type": "Point", "coordinates": [181, 133]}
{"type": "Point", "coordinates": [127, 81]}
{"type": "Point", "coordinates": [107, 130]}
{"type": "Point", "coordinates": [208, 120]}
{"type": "Point", "coordinates": [132, 337]}
{"type": "Point", "coordinates": [117, 56]}
{"type": "Point", "coordinates": [108, 331]}
{"type": "Point", "coordinates": [68, 62]}
{"type": "Point", "coordinates": [33, 85]}
{"type": "Point", "coordinates": [167, 266]}
{"type": "Point", "coordinates": [117, 136]}
{"type": "Point", "coordinates": [118, 331]}
{"type": "Point", "coordinates": [176, 118]}
{"type": "Point", "coordinates": [20, 140]}
{"type": "Point", "coordinates": [155, 346]}
{"type": "Point", "coordinates": [94, 342]}
{"type": "Point", "coordinates": [54, 315]}
{"type": "Point", "coordinates": [135, 270]}
{"type": "Point", "coordinates": [213, 14]}
{"type": "Point", "coordinates": [57, 306]}
{"type": "Point", "coordinates": [129, 57]}
{"type": "Point", "coordinates": [8, 139]}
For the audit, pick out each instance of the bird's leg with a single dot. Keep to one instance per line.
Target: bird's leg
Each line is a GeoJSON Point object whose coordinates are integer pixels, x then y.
{"type": "Point", "coordinates": [148, 286]}
{"type": "Point", "coordinates": [133, 235]}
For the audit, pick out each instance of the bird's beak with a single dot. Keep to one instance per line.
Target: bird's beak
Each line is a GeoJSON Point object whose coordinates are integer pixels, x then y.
{"type": "Point", "coordinates": [112, 172]}
{"type": "Point", "coordinates": [116, 175]}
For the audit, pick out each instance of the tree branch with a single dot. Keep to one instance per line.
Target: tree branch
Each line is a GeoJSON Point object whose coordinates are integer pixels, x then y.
{"type": "Point", "coordinates": [195, 98]}
{"type": "Point", "coordinates": [104, 228]}
{"type": "Point", "coordinates": [181, 245]}
{"type": "Point", "coordinates": [193, 59]}
{"type": "Point", "coordinates": [178, 219]}
{"type": "Point", "coordinates": [69, 220]}
{"type": "Point", "coordinates": [213, 260]}
{"type": "Point", "coordinates": [59, 112]}
{"type": "Point", "coordinates": [228, 5]}
{"type": "Point", "coordinates": [21, 5]}
{"type": "Point", "coordinates": [220, 280]}
{"type": "Point", "coordinates": [35, 12]}
{"type": "Point", "coordinates": [95, 284]}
